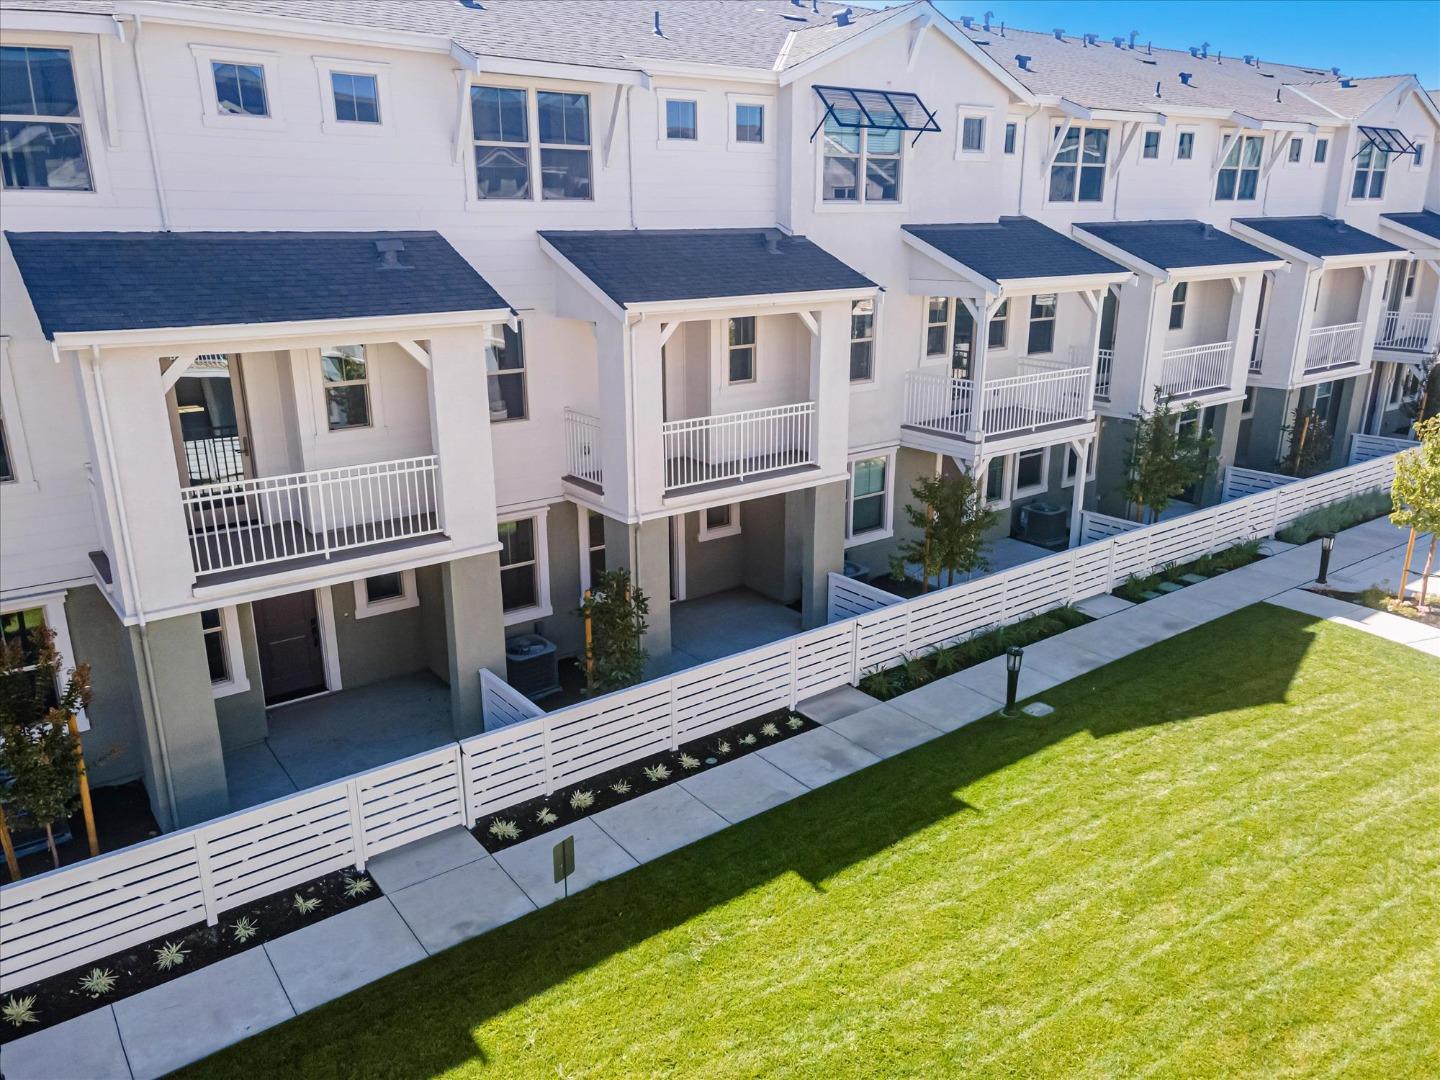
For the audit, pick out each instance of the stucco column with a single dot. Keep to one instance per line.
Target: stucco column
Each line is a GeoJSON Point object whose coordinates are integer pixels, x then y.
{"type": "Point", "coordinates": [475, 634]}
{"type": "Point", "coordinates": [184, 761]}
{"type": "Point", "coordinates": [1083, 449]}
{"type": "Point", "coordinates": [644, 550]}
{"type": "Point", "coordinates": [815, 521]}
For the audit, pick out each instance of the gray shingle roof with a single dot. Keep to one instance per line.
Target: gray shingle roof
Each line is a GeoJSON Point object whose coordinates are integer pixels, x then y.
{"type": "Point", "coordinates": [1320, 236]}
{"type": "Point", "coordinates": [1423, 221]}
{"type": "Point", "coordinates": [95, 281]}
{"type": "Point", "coordinates": [649, 265]}
{"type": "Point", "coordinates": [597, 33]}
{"type": "Point", "coordinates": [1176, 245]}
{"type": "Point", "coordinates": [1014, 248]}
{"type": "Point", "coordinates": [1106, 77]}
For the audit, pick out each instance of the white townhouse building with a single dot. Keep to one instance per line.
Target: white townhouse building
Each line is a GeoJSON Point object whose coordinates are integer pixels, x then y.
{"type": "Point", "coordinates": [343, 341]}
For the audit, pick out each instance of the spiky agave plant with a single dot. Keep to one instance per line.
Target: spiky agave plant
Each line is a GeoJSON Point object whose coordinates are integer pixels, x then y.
{"type": "Point", "coordinates": [305, 905]}
{"type": "Point", "coordinates": [688, 762]}
{"type": "Point", "coordinates": [98, 981]}
{"type": "Point", "coordinates": [770, 729]}
{"type": "Point", "coordinates": [20, 1011]}
{"type": "Point", "coordinates": [546, 816]}
{"type": "Point", "coordinates": [795, 723]}
{"type": "Point", "coordinates": [243, 929]}
{"type": "Point", "coordinates": [582, 799]}
{"type": "Point", "coordinates": [356, 887]}
{"type": "Point", "coordinates": [502, 829]}
{"type": "Point", "coordinates": [656, 773]}
{"type": "Point", "coordinates": [170, 955]}
{"type": "Point", "coordinates": [621, 787]}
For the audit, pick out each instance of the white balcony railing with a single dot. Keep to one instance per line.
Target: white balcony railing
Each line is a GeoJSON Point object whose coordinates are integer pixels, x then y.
{"type": "Point", "coordinates": [1256, 360]}
{"type": "Point", "coordinates": [941, 402]}
{"type": "Point", "coordinates": [1332, 346]}
{"type": "Point", "coordinates": [737, 446]}
{"type": "Point", "coordinates": [1104, 365]}
{"type": "Point", "coordinates": [1196, 369]}
{"type": "Point", "coordinates": [319, 513]}
{"type": "Point", "coordinates": [1407, 330]}
{"type": "Point", "coordinates": [582, 447]}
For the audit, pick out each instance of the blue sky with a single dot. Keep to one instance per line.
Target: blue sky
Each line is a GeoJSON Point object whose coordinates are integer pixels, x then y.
{"type": "Point", "coordinates": [1361, 37]}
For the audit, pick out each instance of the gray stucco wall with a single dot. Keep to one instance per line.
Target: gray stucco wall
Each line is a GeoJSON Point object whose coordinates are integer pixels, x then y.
{"type": "Point", "coordinates": [564, 626]}
{"type": "Point", "coordinates": [378, 646]}
{"type": "Point", "coordinates": [910, 465]}
{"type": "Point", "coordinates": [113, 753]}
{"type": "Point", "coordinates": [242, 716]}
{"type": "Point", "coordinates": [1258, 442]}
{"type": "Point", "coordinates": [716, 564]}
{"type": "Point", "coordinates": [434, 639]}
{"type": "Point", "coordinates": [764, 526]}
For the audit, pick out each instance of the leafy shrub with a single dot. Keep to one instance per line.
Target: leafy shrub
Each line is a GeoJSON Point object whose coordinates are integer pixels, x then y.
{"type": "Point", "coordinates": [1335, 517]}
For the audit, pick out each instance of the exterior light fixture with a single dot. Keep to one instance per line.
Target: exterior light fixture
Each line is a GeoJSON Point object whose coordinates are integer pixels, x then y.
{"type": "Point", "coordinates": [1327, 544]}
{"type": "Point", "coordinates": [1014, 656]}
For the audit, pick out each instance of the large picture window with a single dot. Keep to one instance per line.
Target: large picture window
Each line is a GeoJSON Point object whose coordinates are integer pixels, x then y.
{"type": "Point", "coordinates": [1078, 171]}
{"type": "Point", "coordinates": [42, 144]}
{"type": "Point", "coordinates": [1370, 167]}
{"type": "Point", "coordinates": [506, 143]}
{"type": "Point", "coordinates": [1239, 176]}
{"type": "Point", "coordinates": [861, 165]}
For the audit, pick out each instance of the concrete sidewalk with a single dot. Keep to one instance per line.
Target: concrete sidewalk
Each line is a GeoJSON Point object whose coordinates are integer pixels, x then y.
{"type": "Point", "coordinates": [447, 888]}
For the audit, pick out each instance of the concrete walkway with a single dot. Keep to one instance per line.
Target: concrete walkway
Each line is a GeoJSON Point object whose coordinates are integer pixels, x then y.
{"type": "Point", "coordinates": [446, 889]}
{"type": "Point", "coordinates": [1395, 628]}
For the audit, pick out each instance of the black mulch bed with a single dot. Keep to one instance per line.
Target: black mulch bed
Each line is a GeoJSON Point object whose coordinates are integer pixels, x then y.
{"type": "Point", "coordinates": [61, 997]}
{"type": "Point", "coordinates": [529, 817]}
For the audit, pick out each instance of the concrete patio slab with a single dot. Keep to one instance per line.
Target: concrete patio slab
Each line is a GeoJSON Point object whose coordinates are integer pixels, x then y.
{"type": "Point", "coordinates": [85, 1048]}
{"type": "Point", "coordinates": [403, 867]}
{"type": "Point", "coordinates": [1097, 607]}
{"type": "Point", "coordinates": [254, 775]}
{"type": "Point", "coordinates": [818, 757]}
{"type": "Point", "coordinates": [834, 704]}
{"type": "Point", "coordinates": [342, 953]}
{"type": "Point", "coordinates": [659, 822]}
{"type": "Point", "coordinates": [945, 705]}
{"type": "Point", "coordinates": [191, 1017]}
{"type": "Point", "coordinates": [884, 730]}
{"type": "Point", "coordinates": [531, 864]}
{"type": "Point", "coordinates": [725, 623]}
{"type": "Point", "coordinates": [743, 788]}
{"type": "Point", "coordinates": [460, 904]}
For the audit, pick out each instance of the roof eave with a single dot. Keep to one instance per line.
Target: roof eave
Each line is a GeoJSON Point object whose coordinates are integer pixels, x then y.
{"type": "Point", "coordinates": [751, 301]}
{"type": "Point", "coordinates": [1414, 238]}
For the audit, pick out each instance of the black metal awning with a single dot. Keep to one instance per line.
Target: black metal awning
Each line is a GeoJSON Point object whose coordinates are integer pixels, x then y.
{"type": "Point", "coordinates": [1390, 140]}
{"type": "Point", "coordinates": [884, 110]}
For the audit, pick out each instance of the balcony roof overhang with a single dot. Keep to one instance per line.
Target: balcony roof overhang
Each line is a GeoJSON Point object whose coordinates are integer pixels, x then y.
{"type": "Point", "coordinates": [110, 288]}
{"type": "Point", "coordinates": [1419, 231]}
{"type": "Point", "coordinates": [675, 270]}
{"type": "Point", "coordinates": [1316, 241]}
{"type": "Point", "coordinates": [1150, 248]}
{"type": "Point", "coordinates": [1012, 255]}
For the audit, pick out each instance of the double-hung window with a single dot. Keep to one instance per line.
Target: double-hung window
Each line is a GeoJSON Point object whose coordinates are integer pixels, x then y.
{"type": "Point", "coordinates": [1078, 172]}
{"type": "Point", "coordinates": [22, 629]}
{"type": "Point", "coordinates": [357, 98]}
{"type": "Point", "coordinates": [519, 565]}
{"type": "Point", "coordinates": [945, 336]}
{"type": "Point", "coordinates": [1370, 166]}
{"type": "Point", "coordinates": [742, 349]}
{"type": "Point", "coordinates": [972, 135]}
{"type": "Point", "coordinates": [1042, 324]}
{"type": "Point", "coordinates": [861, 165]}
{"type": "Point", "coordinates": [42, 144]}
{"type": "Point", "coordinates": [1185, 146]}
{"type": "Point", "coordinates": [868, 497]}
{"type": "Point", "coordinates": [681, 120]}
{"type": "Point", "coordinates": [240, 88]}
{"type": "Point", "coordinates": [1177, 305]}
{"type": "Point", "coordinates": [1239, 177]}
{"type": "Point", "coordinates": [594, 540]}
{"type": "Point", "coordinates": [505, 145]}
{"type": "Point", "coordinates": [999, 334]}
{"type": "Point", "coordinates": [346, 376]}
{"type": "Point", "coordinates": [862, 340]}
{"type": "Point", "coordinates": [1150, 150]}
{"type": "Point", "coordinates": [505, 369]}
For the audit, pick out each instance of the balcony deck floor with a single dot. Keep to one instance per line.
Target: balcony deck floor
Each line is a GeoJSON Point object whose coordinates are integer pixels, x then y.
{"type": "Point", "coordinates": [220, 550]}
{"type": "Point", "coordinates": [703, 476]}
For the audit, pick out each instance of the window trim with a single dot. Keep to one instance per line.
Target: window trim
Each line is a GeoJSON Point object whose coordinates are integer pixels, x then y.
{"type": "Point", "coordinates": [753, 346]}
{"type": "Point", "coordinates": [583, 514]}
{"type": "Point", "coordinates": [1053, 319]}
{"type": "Point", "coordinates": [1227, 141]}
{"type": "Point", "coordinates": [1001, 320]}
{"type": "Point", "coordinates": [1091, 461]}
{"type": "Point", "coordinates": [88, 107]}
{"type": "Point", "coordinates": [662, 108]}
{"type": "Point", "coordinates": [1159, 134]}
{"type": "Point", "coordinates": [730, 528]}
{"type": "Point", "coordinates": [495, 333]}
{"type": "Point", "coordinates": [53, 605]}
{"type": "Point", "coordinates": [408, 598]}
{"type": "Point", "coordinates": [1010, 136]}
{"type": "Point", "coordinates": [1016, 491]}
{"type": "Point", "coordinates": [965, 113]}
{"type": "Point", "coordinates": [1320, 152]}
{"type": "Point", "coordinates": [887, 528]}
{"type": "Point", "coordinates": [1179, 300]}
{"type": "Point", "coordinates": [210, 114]}
{"type": "Point", "coordinates": [327, 66]}
{"type": "Point", "coordinates": [1078, 164]}
{"type": "Point", "coordinates": [533, 146]}
{"type": "Point", "coordinates": [872, 339]}
{"type": "Point", "coordinates": [541, 609]}
{"type": "Point", "coordinates": [766, 145]}
{"type": "Point", "coordinates": [1417, 160]}
{"type": "Point", "coordinates": [369, 382]}
{"type": "Point", "coordinates": [1295, 151]}
{"type": "Point", "coordinates": [1180, 133]}
{"type": "Point", "coordinates": [1007, 471]}
{"type": "Point", "coordinates": [1370, 172]}
{"type": "Point", "coordinates": [229, 631]}
{"type": "Point", "coordinates": [16, 441]}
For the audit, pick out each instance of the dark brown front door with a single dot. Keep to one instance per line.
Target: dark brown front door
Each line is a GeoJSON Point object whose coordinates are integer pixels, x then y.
{"type": "Point", "coordinates": [287, 629]}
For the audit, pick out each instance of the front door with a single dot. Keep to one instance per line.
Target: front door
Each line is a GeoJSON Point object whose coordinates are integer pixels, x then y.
{"type": "Point", "coordinates": [287, 630]}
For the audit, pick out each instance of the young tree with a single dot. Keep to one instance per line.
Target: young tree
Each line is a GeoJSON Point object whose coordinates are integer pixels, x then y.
{"type": "Point", "coordinates": [1168, 453]}
{"type": "Point", "coordinates": [952, 517]}
{"type": "Point", "coordinates": [1309, 446]}
{"type": "Point", "coordinates": [614, 613]}
{"type": "Point", "coordinates": [39, 757]}
{"type": "Point", "coordinates": [1416, 495]}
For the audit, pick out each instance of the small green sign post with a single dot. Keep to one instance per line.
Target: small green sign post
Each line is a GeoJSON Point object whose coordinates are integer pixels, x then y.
{"type": "Point", "coordinates": [565, 862]}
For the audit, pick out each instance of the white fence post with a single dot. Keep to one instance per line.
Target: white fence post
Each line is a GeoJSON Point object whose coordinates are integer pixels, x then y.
{"type": "Point", "coordinates": [207, 887]}
{"type": "Point", "coordinates": [357, 821]}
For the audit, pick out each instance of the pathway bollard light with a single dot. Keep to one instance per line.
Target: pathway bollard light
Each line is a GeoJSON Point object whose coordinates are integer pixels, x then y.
{"type": "Point", "coordinates": [1327, 543]}
{"type": "Point", "coordinates": [1014, 656]}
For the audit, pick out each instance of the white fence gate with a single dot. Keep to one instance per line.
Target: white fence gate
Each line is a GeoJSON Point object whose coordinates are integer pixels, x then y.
{"type": "Point", "coordinates": [1369, 447]}
{"type": "Point", "coordinates": [79, 913]}
{"type": "Point", "coordinates": [1241, 482]}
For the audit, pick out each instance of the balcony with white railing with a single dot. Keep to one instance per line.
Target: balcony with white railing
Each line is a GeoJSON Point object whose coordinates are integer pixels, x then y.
{"type": "Point", "coordinates": [1196, 369]}
{"type": "Point", "coordinates": [312, 517]}
{"type": "Point", "coordinates": [945, 404]}
{"type": "Point", "coordinates": [582, 449]}
{"type": "Point", "coordinates": [1104, 366]}
{"type": "Point", "coordinates": [1405, 331]}
{"type": "Point", "coordinates": [1332, 347]}
{"type": "Point", "coordinates": [736, 447]}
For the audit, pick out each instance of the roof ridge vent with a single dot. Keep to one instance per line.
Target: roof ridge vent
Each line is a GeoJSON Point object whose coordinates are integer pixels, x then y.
{"type": "Point", "coordinates": [1249, 59]}
{"type": "Point", "coordinates": [1059, 34]}
{"type": "Point", "coordinates": [842, 18]}
{"type": "Point", "coordinates": [967, 21]}
{"type": "Point", "coordinates": [1133, 35]}
{"type": "Point", "coordinates": [1347, 84]}
{"type": "Point", "coordinates": [988, 16]}
{"type": "Point", "coordinates": [1335, 71]}
{"type": "Point", "coordinates": [1023, 61]}
{"type": "Point", "coordinates": [389, 251]}
{"type": "Point", "coordinates": [657, 31]}
{"type": "Point", "coordinates": [1185, 77]}
{"type": "Point", "coordinates": [1195, 51]}
{"type": "Point", "coordinates": [1091, 39]}
{"type": "Point", "coordinates": [1119, 41]}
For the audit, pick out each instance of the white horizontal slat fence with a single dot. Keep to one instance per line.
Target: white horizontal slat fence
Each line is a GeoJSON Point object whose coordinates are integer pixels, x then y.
{"type": "Point", "coordinates": [502, 705]}
{"type": "Point", "coordinates": [1368, 447]}
{"type": "Point", "coordinates": [1239, 482]}
{"type": "Point", "coordinates": [75, 915]}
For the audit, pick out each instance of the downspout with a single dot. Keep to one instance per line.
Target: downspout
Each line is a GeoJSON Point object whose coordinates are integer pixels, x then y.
{"type": "Point", "coordinates": [1024, 134]}
{"type": "Point", "coordinates": [160, 196]}
{"type": "Point", "coordinates": [154, 724]}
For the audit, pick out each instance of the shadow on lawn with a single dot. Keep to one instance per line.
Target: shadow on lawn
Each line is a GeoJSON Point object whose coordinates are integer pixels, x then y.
{"type": "Point", "coordinates": [816, 837]}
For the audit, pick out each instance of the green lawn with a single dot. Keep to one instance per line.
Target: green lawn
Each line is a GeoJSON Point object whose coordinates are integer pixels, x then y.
{"type": "Point", "coordinates": [1221, 856]}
